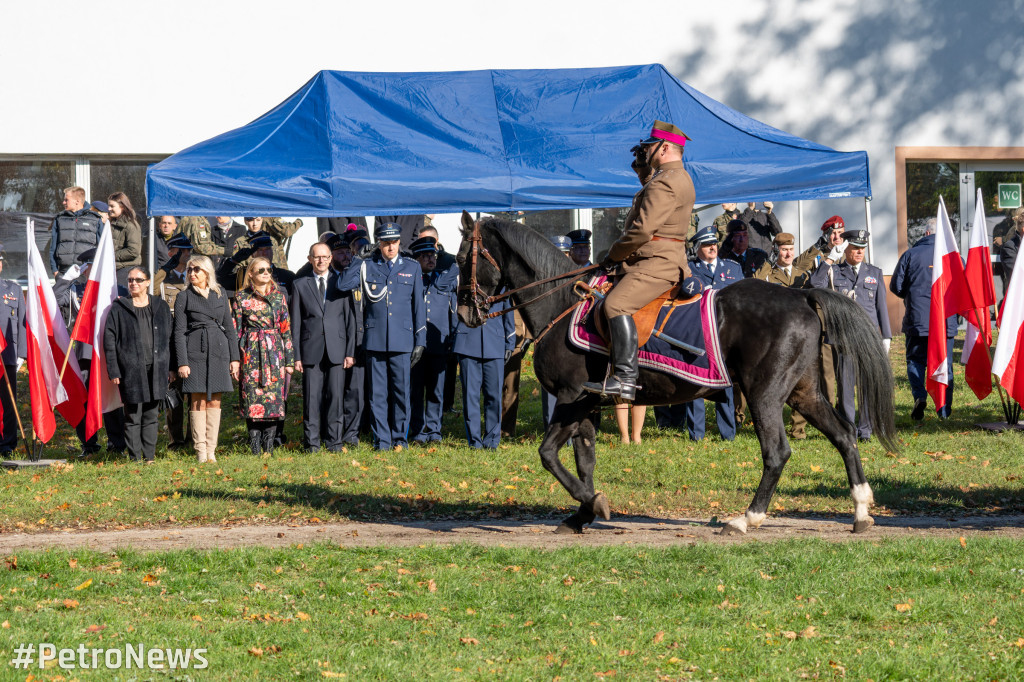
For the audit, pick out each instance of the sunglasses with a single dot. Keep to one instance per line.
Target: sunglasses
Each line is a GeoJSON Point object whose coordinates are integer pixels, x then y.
{"type": "Point", "coordinates": [262, 271]}
{"type": "Point", "coordinates": [195, 268]}
{"type": "Point", "coordinates": [136, 280]}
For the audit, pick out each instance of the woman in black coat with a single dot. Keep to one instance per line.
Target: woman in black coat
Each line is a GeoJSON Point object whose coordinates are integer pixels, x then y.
{"type": "Point", "coordinates": [206, 352]}
{"type": "Point", "coordinates": [137, 340]}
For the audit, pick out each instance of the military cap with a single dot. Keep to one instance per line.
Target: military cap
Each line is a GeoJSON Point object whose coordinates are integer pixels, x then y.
{"type": "Point", "coordinates": [86, 256]}
{"type": "Point", "coordinates": [833, 223]}
{"type": "Point", "coordinates": [179, 241]}
{"type": "Point", "coordinates": [580, 236]}
{"type": "Point", "coordinates": [667, 132]}
{"type": "Point", "coordinates": [334, 241]}
{"type": "Point", "coordinates": [100, 206]}
{"type": "Point", "coordinates": [355, 235]}
{"type": "Point", "coordinates": [705, 235]}
{"type": "Point", "coordinates": [387, 232]}
{"type": "Point", "coordinates": [736, 225]}
{"type": "Point", "coordinates": [785, 239]}
{"type": "Point", "coordinates": [562, 243]}
{"type": "Point", "coordinates": [249, 217]}
{"type": "Point", "coordinates": [858, 238]}
{"type": "Point", "coordinates": [326, 235]}
{"type": "Point", "coordinates": [423, 245]}
{"type": "Point", "coordinates": [261, 241]}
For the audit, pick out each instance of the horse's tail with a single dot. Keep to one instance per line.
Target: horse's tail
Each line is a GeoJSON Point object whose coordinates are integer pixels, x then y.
{"type": "Point", "coordinates": [852, 334]}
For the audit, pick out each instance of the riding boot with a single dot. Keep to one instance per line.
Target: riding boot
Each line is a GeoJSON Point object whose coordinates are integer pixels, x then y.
{"type": "Point", "coordinates": [270, 438]}
{"type": "Point", "coordinates": [255, 438]}
{"type": "Point", "coordinates": [625, 368]}
{"type": "Point", "coordinates": [212, 431]}
{"type": "Point", "coordinates": [197, 423]}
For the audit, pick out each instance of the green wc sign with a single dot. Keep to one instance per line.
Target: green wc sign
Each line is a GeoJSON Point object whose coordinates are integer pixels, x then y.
{"type": "Point", "coordinates": [1009, 195]}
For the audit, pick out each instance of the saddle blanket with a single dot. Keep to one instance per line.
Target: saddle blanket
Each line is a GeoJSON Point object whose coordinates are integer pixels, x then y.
{"type": "Point", "coordinates": [695, 324]}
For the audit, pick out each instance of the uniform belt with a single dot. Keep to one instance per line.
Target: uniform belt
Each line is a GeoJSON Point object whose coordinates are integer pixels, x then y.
{"type": "Point", "coordinates": [656, 238]}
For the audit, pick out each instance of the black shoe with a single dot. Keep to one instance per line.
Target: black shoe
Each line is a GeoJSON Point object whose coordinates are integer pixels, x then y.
{"type": "Point", "coordinates": [87, 453]}
{"type": "Point", "coordinates": [917, 414]}
{"type": "Point", "coordinates": [625, 368]}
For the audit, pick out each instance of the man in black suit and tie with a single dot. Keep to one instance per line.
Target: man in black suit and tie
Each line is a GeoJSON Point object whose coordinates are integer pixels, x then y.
{"type": "Point", "coordinates": [324, 334]}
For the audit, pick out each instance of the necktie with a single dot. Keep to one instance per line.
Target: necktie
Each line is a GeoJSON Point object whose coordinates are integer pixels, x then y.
{"type": "Point", "coordinates": [390, 264]}
{"type": "Point", "coordinates": [711, 267]}
{"type": "Point", "coordinates": [323, 289]}
{"type": "Point", "coordinates": [787, 269]}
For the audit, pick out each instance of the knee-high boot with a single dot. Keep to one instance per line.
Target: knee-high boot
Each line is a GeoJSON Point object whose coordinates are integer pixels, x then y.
{"type": "Point", "coordinates": [197, 424]}
{"type": "Point", "coordinates": [270, 438]}
{"type": "Point", "coordinates": [212, 431]}
{"type": "Point", "coordinates": [625, 366]}
{"type": "Point", "coordinates": [255, 436]}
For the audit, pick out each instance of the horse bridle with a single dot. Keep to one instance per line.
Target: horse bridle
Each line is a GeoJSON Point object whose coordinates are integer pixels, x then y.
{"type": "Point", "coordinates": [481, 302]}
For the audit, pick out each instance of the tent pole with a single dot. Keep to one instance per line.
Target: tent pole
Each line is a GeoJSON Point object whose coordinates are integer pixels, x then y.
{"type": "Point", "coordinates": [867, 226]}
{"type": "Point", "coordinates": [152, 252]}
{"type": "Point", "coordinates": [800, 227]}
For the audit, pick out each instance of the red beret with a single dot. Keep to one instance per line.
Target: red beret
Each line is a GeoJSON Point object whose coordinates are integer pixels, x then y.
{"type": "Point", "coordinates": [833, 223]}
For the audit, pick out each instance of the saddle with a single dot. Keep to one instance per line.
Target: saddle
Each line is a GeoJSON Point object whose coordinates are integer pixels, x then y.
{"type": "Point", "coordinates": [646, 317]}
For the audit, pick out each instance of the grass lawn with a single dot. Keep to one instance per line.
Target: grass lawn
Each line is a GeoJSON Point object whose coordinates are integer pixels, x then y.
{"type": "Point", "coordinates": [946, 467]}
{"type": "Point", "coordinates": [912, 609]}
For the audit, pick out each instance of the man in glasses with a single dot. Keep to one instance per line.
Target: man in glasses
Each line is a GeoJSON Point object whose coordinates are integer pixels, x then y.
{"type": "Point", "coordinates": [395, 330]}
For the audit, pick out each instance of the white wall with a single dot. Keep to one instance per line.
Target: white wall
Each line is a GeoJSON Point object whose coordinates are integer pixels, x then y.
{"type": "Point", "coordinates": [851, 74]}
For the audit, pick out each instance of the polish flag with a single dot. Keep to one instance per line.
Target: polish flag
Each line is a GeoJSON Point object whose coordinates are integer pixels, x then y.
{"type": "Point", "coordinates": [47, 345]}
{"type": "Point", "coordinates": [949, 297]}
{"type": "Point", "coordinates": [100, 294]}
{"type": "Point", "coordinates": [1007, 363]}
{"type": "Point", "coordinates": [982, 293]}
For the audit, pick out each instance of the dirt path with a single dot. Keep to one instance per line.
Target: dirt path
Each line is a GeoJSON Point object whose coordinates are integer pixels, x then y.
{"type": "Point", "coordinates": [521, 533]}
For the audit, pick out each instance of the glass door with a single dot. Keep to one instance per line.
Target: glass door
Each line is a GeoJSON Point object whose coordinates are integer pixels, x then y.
{"type": "Point", "coordinates": [998, 221]}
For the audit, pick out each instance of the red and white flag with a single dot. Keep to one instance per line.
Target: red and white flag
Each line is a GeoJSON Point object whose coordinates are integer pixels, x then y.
{"type": "Point", "coordinates": [978, 273]}
{"type": "Point", "coordinates": [949, 297]}
{"type": "Point", "coordinates": [1008, 361]}
{"type": "Point", "coordinates": [100, 294]}
{"type": "Point", "coordinates": [47, 344]}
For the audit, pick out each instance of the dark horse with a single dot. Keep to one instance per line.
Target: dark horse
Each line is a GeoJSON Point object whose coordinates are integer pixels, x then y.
{"type": "Point", "coordinates": [771, 340]}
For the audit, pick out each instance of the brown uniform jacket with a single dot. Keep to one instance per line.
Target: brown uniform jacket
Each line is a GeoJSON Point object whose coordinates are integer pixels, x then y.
{"type": "Point", "coordinates": [776, 275]}
{"type": "Point", "coordinates": [661, 209]}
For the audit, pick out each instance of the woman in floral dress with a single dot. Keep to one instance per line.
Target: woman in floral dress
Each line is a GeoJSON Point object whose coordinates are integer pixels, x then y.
{"type": "Point", "coordinates": [265, 342]}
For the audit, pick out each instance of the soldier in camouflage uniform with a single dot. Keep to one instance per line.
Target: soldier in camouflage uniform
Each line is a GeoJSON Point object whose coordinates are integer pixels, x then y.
{"type": "Point", "coordinates": [729, 213]}
{"type": "Point", "coordinates": [277, 229]}
{"type": "Point", "coordinates": [201, 235]}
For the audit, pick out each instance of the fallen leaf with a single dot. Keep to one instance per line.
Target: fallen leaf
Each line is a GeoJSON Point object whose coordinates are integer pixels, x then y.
{"type": "Point", "coordinates": [815, 468]}
{"type": "Point", "coordinates": [658, 637]}
{"type": "Point", "coordinates": [789, 634]}
{"type": "Point", "coordinates": [963, 542]}
{"type": "Point", "coordinates": [721, 588]}
{"type": "Point", "coordinates": [73, 563]}
{"type": "Point", "coordinates": [469, 641]}
{"type": "Point", "coordinates": [150, 579]}
{"type": "Point", "coordinates": [994, 621]}
{"type": "Point", "coordinates": [299, 615]}
{"type": "Point", "coordinates": [95, 628]}
{"type": "Point", "coordinates": [903, 607]}
{"type": "Point", "coordinates": [84, 585]}
{"type": "Point", "coordinates": [256, 651]}
{"type": "Point", "coordinates": [70, 604]}
{"type": "Point", "coordinates": [809, 631]}
{"type": "Point", "coordinates": [607, 673]}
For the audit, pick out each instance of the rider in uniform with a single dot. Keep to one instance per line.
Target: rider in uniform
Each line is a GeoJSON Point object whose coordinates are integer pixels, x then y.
{"type": "Point", "coordinates": [651, 253]}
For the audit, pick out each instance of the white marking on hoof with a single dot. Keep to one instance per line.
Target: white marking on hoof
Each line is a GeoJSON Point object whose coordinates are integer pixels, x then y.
{"type": "Point", "coordinates": [737, 525]}
{"type": "Point", "coordinates": [754, 520]}
{"type": "Point", "coordinates": [863, 498]}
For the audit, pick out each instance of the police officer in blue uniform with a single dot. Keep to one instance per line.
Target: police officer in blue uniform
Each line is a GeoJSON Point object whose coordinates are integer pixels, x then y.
{"type": "Point", "coordinates": [395, 330]}
{"type": "Point", "coordinates": [482, 352]}
{"type": "Point", "coordinates": [864, 284]}
{"type": "Point", "coordinates": [579, 252]}
{"type": "Point", "coordinates": [12, 326]}
{"type": "Point", "coordinates": [428, 376]}
{"type": "Point", "coordinates": [713, 273]}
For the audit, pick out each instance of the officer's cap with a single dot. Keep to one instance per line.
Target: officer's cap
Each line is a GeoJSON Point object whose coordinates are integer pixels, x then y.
{"type": "Point", "coordinates": [387, 232]}
{"type": "Point", "coordinates": [858, 238]}
{"type": "Point", "coordinates": [667, 132]}
{"type": "Point", "coordinates": [833, 223]}
{"type": "Point", "coordinates": [580, 236]}
{"type": "Point", "coordinates": [705, 235]}
{"type": "Point", "coordinates": [100, 206]}
{"type": "Point", "coordinates": [179, 241]}
{"type": "Point", "coordinates": [785, 239]}
{"type": "Point", "coordinates": [562, 243]}
{"type": "Point", "coordinates": [423, 245]}
{"type": "Point", "coordinates": [86, 256]}
{"type": "Point", "coordinates": [261, 241]}
{"type": "Point", "coordinates": [736, 226]}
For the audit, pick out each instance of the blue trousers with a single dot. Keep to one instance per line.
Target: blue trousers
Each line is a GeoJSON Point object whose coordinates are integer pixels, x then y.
{"type": "Point", "coordinates": [670, 416]}
{"type": "Point", "coordinates": [427, 398]}
{"type": "Point", "coordinates": [547, 407]}
{"type": "Point", "coordinates": [482, 377]}
{"type": "Point", "coordinates": [389, 397]}
{"type": "Point", "coordinates": [725, 415]}
{"type": "Point", "coordinates": [917, 370]}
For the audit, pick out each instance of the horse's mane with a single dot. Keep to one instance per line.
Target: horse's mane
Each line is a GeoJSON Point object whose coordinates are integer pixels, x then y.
{"type": "Point", "coordinates": [534, 248]}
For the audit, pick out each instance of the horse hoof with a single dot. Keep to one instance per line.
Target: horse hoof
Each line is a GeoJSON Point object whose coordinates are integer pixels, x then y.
{"type": "Point", "coordinates": [729, 529]}
{"type": "Point", "coordinates": [863, 525]}
{"type": "Point", "coordinates": [599, 505]}
{"type": "Point", "coordinates": [566, 529]}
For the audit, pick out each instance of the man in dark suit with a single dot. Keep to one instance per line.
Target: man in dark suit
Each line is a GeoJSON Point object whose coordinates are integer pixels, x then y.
{"type": "Point", "coordinates": [324, 334]}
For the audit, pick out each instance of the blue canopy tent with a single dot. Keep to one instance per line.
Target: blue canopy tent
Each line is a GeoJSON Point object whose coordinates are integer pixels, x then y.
{"type": "Point", "coordinates": [350, 143]}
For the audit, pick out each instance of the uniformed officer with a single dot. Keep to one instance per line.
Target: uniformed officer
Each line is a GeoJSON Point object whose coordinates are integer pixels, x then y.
{"type": "Point", "coordinates": [713, 273]}
{"type": "Point", "coordinates": [395, 330]}
{"type": "Point", "coordinates": [831, 236]}
{"type": "Point", "coordinates": [736, 248]}
{"type": "Point", "coordinates": [863, 283]}
{"type": "Point", "coordinates": [784, 271]}
{"type": "Point", "coordinates": [231, 271]}
{"type": "Point", "coordinates": [280, 231]}
{"type": "Point", "coordinates": [563, 244]}
{"type": "Point", "coordinates": [729, 213]}
{"type": "Point", "coordinates": [482, 352]}
{"type": "Point", "coordinates": [580, 250]}
{"type": "Point", "coordinates": [651, 253]}
{"type": "Point", "coordinates": [439, 301]}
{"type": "Point", "coordinates": [12, 326]}
{"type": "Point", "coordinates": [204, 240]}
{"type": "Point", "coordinates": [168, 282]}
